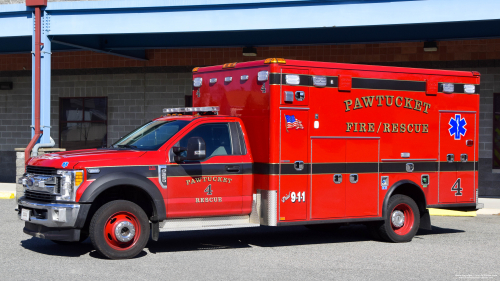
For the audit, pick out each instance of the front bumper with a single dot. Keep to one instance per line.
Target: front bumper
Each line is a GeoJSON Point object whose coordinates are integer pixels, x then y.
{"type": "Point", "coordinates": [58, 215]}
{"type": "Point", "coordinates": [51, 233]}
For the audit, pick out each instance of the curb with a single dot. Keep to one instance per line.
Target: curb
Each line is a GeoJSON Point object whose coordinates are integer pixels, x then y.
{"type": "Point", "coordinates": [7, 195]}
{"type": "Point", "coordinates": [451, 213]}
{"type": "Point", "coordinates": [488, 212]}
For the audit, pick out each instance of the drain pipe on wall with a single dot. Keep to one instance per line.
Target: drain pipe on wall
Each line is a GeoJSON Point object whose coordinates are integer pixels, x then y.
{"type": "Point", "coordinates": [38, 45]}
{"type": "Point", "coordinates": [40, 145]}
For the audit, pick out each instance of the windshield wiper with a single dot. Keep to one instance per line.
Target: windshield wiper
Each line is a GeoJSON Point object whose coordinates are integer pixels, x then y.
{"type": "Point", "coordinates": [126, 146]}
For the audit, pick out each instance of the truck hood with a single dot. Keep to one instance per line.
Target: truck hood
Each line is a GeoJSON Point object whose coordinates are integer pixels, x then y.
{"type": "Point", "coordinates": [69, 159]}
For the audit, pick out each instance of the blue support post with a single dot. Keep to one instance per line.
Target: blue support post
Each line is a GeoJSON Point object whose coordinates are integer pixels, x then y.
{"type": "Point", "coordinates": [45, 79]}
{"type": "Point", "coordinates": [33, 75]}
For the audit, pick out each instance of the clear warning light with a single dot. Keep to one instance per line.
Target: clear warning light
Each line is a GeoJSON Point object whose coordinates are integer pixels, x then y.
{"type": "Point", "coordinates": [197, 82]}
{"type": "Point", "coordinates": [469, 89]}
{"type": "Point", "coordinates": [292, 79]}
{"type": "Point", "coordinates": [319, 81]}
{"type": "Point", "coordinates": [262, 76]}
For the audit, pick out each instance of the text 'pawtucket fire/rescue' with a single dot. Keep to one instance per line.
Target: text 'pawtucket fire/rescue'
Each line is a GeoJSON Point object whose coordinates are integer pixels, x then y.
{"type": "Point", "coordinates": [404, 102]}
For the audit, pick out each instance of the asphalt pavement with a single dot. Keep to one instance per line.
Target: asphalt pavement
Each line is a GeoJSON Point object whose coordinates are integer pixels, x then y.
{"type": "Point", "coordinates": [458, 248]}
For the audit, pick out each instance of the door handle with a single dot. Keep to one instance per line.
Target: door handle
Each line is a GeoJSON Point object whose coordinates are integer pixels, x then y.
{"type": "Point", "coordinates": [337, 178]}
{"type": "Point", "coordinates": [233, 168]}
{"type": "Point", "coordinates": [353, 178]}
{"type": "Point", "coordinates": [298, 165]}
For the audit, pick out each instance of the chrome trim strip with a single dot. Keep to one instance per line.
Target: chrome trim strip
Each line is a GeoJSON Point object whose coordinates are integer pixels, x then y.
{"type": "Point", "coordinates": [456, 111]}
{"type": "Point", "coordinates": [326, 137]}
{"type": "Point", "coordinates": [294, 108]}
{"type": "Point", "coordinates": [410, 159]}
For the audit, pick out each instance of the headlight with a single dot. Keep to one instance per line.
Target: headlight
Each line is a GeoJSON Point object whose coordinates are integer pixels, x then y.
{"type": "Point", "coordinates": [69, 182]}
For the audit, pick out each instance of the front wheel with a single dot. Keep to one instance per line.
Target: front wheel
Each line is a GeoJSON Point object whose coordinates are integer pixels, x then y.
{"type": "Point", "coordinates": [401, 221]}
{"type": "Point", "coordinates": [119, 229]}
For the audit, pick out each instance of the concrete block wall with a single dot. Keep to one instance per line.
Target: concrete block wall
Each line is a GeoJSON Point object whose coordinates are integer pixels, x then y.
{"type": "Point", "coordinates": [133, 99]}
{"type": "Point", "coordinates": [489, 179]}
{"type": "Point", "coordinates": [15, 113]}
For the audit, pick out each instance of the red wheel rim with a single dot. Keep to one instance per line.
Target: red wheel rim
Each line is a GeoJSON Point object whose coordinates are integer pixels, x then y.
{"type": "Point", "coordinates": [408, 216]}
{"type": "Point", "coordinates": [125, 223]}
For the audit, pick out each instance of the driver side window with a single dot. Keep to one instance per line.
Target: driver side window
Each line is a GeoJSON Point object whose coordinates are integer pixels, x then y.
{"type": "Point", "coordinates": [217, 139]}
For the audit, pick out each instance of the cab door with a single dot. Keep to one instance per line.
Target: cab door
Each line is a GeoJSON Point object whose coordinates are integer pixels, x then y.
{"type": "Point", "coordinates": [213, 186]}
{"type": "Point", "coordinates": [457, 157]}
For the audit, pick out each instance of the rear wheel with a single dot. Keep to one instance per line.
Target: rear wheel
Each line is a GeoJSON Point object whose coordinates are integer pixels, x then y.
{"type": "Point", "coordinates": [119, 230]}
{"type": "Point", "coordinates": [401, 221]}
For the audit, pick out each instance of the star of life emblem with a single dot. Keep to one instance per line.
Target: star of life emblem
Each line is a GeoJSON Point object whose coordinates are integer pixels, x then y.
{"type": "Point", "coordinates": [457, 127]}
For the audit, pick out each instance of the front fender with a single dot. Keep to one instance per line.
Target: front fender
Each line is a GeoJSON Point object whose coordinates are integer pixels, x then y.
{"type": "Point", "coordinates": [115, 179]}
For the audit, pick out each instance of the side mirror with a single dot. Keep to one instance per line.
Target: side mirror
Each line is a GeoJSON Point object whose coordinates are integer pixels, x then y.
{"type": "Point", "coordinates": [178, 150]}
{"type": "Point", "coordinates": [196, 149]}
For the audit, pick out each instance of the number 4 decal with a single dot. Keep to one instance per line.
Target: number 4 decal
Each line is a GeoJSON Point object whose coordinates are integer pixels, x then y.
{"type": "Point", "coordinates": [208, 190]}
{"type": "Point", "coordinates": [456, 187]}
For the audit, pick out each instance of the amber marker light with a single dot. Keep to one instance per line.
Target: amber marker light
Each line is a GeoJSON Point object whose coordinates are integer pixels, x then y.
{"type": "Point", "coordinates": [78, 178]}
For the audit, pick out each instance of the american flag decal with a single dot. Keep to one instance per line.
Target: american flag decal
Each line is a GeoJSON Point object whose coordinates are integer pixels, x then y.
{"type": "Point", "coordinates": [293, 123]}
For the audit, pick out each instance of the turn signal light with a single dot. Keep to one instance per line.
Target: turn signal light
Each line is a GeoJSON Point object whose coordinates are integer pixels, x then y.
{"type": "Point", "coordinates": [78, 178]}
{"type": "Point", "coordinates": [195, 69]}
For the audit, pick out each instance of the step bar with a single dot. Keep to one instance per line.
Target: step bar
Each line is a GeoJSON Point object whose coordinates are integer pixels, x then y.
{"type": "Point", "coordinates": [262, 214]}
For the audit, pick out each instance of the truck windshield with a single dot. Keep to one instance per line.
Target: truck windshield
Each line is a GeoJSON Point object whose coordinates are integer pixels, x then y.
{"type": "Point", "coordinates": [150, 136]}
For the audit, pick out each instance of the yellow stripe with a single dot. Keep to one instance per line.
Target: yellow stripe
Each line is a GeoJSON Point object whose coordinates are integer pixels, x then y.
{"type": "Point", "coordinates": [7, 195]}
{"type": "Point", "coordinates": [451, 213]}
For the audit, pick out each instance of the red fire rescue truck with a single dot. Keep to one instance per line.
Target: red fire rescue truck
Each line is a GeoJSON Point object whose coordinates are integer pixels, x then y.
{"type": "Point", "coordinates": [274, 143]}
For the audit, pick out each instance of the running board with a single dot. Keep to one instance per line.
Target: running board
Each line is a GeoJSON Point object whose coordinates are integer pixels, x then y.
{"type": "Point", "coordinates": [206, 223]}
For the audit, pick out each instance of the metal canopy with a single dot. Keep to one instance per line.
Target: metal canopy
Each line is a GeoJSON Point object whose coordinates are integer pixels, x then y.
{"type": "Point", "coordinates": [127, 28]}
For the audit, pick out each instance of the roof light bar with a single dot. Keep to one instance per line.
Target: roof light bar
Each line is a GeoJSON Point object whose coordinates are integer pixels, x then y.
{"type": "Point", "coordinates": [191, 109]}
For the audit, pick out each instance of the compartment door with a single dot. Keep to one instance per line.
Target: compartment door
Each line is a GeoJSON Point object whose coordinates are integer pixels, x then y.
{"type": "Point", "coordinates": [457, 159]}
{"type": "Point", "coordinates": [294, 169]}
{"type": "Point", "coordinates": [361, 177]}
{"type": "Point", "coordinates": [328, 178]}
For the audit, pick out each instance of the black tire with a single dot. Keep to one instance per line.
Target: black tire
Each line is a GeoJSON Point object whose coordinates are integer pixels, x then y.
{"type": "Point", "coordinates": [393, 232]}
{"type": "Point", "coordinates": [323, 227]}
{"type": "Point", "coordinates": [132, 223]}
